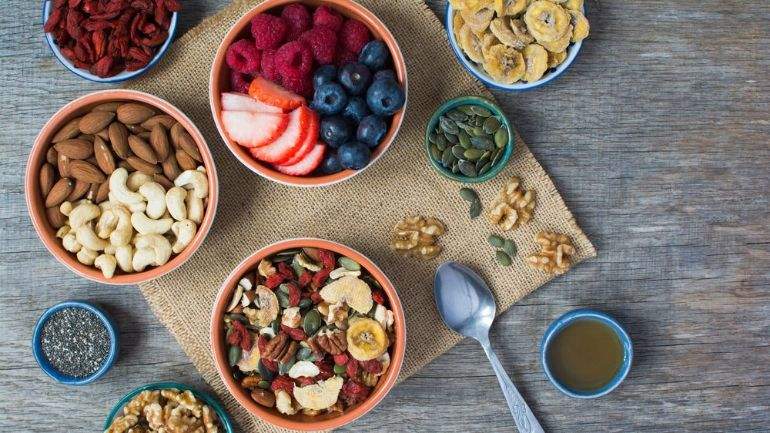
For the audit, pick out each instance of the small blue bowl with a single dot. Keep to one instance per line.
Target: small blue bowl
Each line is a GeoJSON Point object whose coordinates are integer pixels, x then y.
{"type": "Point", "coordinates": [48, 368]}
{"type": "Point", "coordinates": [572, 51]}
{"type": "Point", "coordinates": [224, 418]}
{"type": "Point", "coordinates": [123, 76]}
{"type": "Point", "coordinates": [587, 314]}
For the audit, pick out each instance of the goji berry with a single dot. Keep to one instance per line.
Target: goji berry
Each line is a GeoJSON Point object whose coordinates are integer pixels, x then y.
{"type": "Point", "coordinates": [372, 366]}
{"type": "Point", "coordinates": [103, 67]}
{"type": "Point", "coordinates": [316, 297]}
{"type": "Point", "coordinates": [341, 359]}
{"type": "Point", "coordinates": [283, 383]}
{"type": "Point", "coordinates": [305, 278]}
{"type": "Point", "coordinates": [295, 333]}
{"type": "Point", "coordinates": [351, 368]}
{"type": "Point", "coordinates": [274, 281]}
{"type": "Point", "coordinates": [327, 259]}
{"type": "Point", "coordinates": [240, 336]}
{"type": "Point", "coordinates": [294, 294]}
{"type": "Point", "coordinates": [353, 392]}
{"type": "Point", "coordinates": [285, 270]}
{"type": "Point", "coordinates": [320, 278]}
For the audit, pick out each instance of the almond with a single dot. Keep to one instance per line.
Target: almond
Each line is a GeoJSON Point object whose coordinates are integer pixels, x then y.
{"type": "Point", "coordinates": [185, 161]}
{"type": "Point", "coordinates": [159, 142]}
{"type": "Point", "coordinates": [144, 135]}
{"type": "Point", "coordinates": [104, 134]}
{"type": "Point", "coordinates": [124, 164]}
{"type": "Point", "coordinates": [163, 180]}
{"type": "Point", "coordinates": [161, 119]}
{"type": "Point", "coordinates": [79, 190]}
{"type": "Point", "coordinates": [142, 149]}
{"type": "Point", "coordinates": [55, 217]}
{"type": "Point", "coordinates": [86, 172]}
{"type": "Point", "coordinates": [171, 167]}
{"type": "Point", "coordinates": [133, 113]}
{"type": "Point", "coordinates": [102, 192]}
{"type": "Point", "coordinates": [75, 148]}
{"type": "Point", "coordinates": [140, 164]}
{"type": "Point", "coordinates": [95, 121]}
{"type": "Point", "coordinates": [47, 178]}
{"type": "Point", "coordinates": [119, 139]}
{"type": "Point", "coordinates": [63, 164]}
{"type": "Point", "coordinates": [104, 158]}
{"type": "Point", "coordinates": [70, 130]}
{"type": "Point", "coordinates": [59, 192]}
{"type": "Point", "coordinates": [183, 140]}
{"type": "Point", "coordinates": [52, 156]}
{"type": "Point", "coordinates": [135, 129]}
{"type": "Point", "coordinates": [107, 106]}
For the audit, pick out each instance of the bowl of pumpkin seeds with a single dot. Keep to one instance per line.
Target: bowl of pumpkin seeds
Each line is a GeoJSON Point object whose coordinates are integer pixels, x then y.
{"type": "Point", "coordinates": [469, 139]}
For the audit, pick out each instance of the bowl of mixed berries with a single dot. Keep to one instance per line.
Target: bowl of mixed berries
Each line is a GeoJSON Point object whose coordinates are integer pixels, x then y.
{"type": "Point", "coordinates": [308, 93]}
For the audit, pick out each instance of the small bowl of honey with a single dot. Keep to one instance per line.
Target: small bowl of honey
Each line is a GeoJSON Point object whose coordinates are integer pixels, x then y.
{"type": "Point", "coordinates": [586, 353]}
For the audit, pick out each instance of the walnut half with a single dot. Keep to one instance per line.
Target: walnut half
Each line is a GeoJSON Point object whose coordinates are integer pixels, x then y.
{"type": "Point", "coordinates": [416, 236]}
{"type": "Point", "coordinates": [513, 206]}
{"type": "Point", "coordinates": [555, 253]}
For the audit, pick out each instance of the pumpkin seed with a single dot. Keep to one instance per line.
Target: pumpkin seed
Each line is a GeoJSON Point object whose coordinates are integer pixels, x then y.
{"type": "Point", "coordinates": [482, 143]}
{"type": "Point", "coordinates": [496, 241]}
{"type": "Point", "coordinates": [276, 326]}
{"type": "Point", "coordinates": [475, 209]}
{"type": "Point", "coordinates": [290, 253]}
{"type": "Point", "coordinates": [448, 125]}
{"type": "Point", "coordinates": [457, 116]}
{"type": "Point", "coordinates": [498, 155]}
{"type": "Point", "coordinates": [509, 247]}
{"type": "Point", "coordinates": [304, 353]}
{"type": "Point", "coordinates": [234, 355]}
{"type": "Point", "coordinates": [473, 154]}
{"type": "Point", "coordinates": [451, 138]}
{"type": "Point", "coordinates": [469, 194]}
{"type": "Point", "coordinates": [339, 369]}
{"type": "Point", "coordinates": [446, 157]}
{"type": "Point", "coordinates": [311, 322]}
{"type": "Point", "coordinates": [283, 299]}
{"type": "Point", "coordinates": [263, 384]}
{"type": "Point", "coordinates": [491, 125]}
{"type": "Point", "coordinates": [467, 168]}
{"type": "Point", "coordinates": [441, 141]}
{"type": "Point", "coordinates": [435, 152]}
{"type": "Point", "coordinates": [477, 131]}
{"type": "Point", "coordinates": [503, 259]}
{"type": "Point", "coordinates": [481, 111]}
{"type": "Point", "coordinates": [349, 264]}
{"type": "Point", "coordinates": [264, 372]}
{"type": "Point", "coordinates": [432, 137]}
{"type": "Point", "coordinates": [501, 137]}
{"type": "Point", "coordinates": [458, 151]}
{"type": "Point", "coordinates": [464, 126]}
{"type": "Point", "coordinates": [483, 160]}
{"type": "Point", "coordinates": [305, 303]}
{"type": "Point", "coordinates": [455, 168]}
{"type": "Point", "coordinates": [284, 367]}
{"type": "Point", "coordinates": [485, 168]}
{"type": "Point", "coordinates": [467, 109]}
{"type": "Point", "coordinates": [465, 139]}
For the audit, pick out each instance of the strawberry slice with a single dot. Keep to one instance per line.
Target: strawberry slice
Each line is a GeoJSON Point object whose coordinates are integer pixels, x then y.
{"type": "Point", "coordinates": [254, 129]}
{"type": "Point", "coordinates": [273, 94]}
{"type": "Point", "coordinates": [291, 139]}
{"type": "Point", "coordinates": [310, 140]}
{"type": "Point", "coordinates": [232, 101]}
{"type": "Point", "coordinates": [306, 165]}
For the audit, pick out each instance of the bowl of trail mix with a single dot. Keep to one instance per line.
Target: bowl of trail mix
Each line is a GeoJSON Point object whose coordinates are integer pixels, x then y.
{"type": "Point", "coordinates": [308, 334]}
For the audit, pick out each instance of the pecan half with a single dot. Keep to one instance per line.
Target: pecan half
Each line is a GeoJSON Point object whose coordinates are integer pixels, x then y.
{"type": "Point", "coordinates": [274, 347]}
{"type": "Point", "coordinates": [332, 342]}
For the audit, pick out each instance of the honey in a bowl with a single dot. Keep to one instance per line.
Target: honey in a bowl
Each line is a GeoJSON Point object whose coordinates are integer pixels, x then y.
{"type": "Point", "coordinates": [585, 355]}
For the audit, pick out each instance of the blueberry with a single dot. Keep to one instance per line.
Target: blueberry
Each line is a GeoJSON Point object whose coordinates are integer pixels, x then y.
{"type": "Point", "coordinates": [354, 155]}
{"type": "Point", "coordinates": [356, 109]}
{"type": "Point", "coordinates": [335, 130]}
{"type": "Point", "coordinates": [385, 73]}
{"type": "Point", "coordinates": [330, 164]}
{"type": "Point", "coordinates": [375, 55]}
{"type": "Point", "coordinates": [324, 74]}
{"type": "Point", "coordinates": [385, 97]}
{"type": "Point", "coordinates": [355, 77]}
{"type": "Point", "coordinates": [329, 98]}
{"type": "Point", "coordinates": [371, 130]}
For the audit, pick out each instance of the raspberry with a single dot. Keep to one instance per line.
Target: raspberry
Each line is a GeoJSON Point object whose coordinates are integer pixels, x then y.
{"type": "Point", "coordinates": [239, 82]}
{"type": "Point", "coordinates": [351, 368]}
{"type": "Point", "coordinates": [298, 19]}
{"type": "Point", "coordinates": [344, 57]}
{"type": "Point", "coordinates": [325, 16]}
{"type": "Point", "coordinates": [268, 31]}
{"type": "Point", "coordinates": [244, 57]}
{"type": "Point", "coordinates": [268, 66]}
{"type": "Point", "coordinates": [354, 35]}
{"type": "Point", "coordinates": [294, 60]}
{"type": "Point", "coordinates": [326, 369]}
{"type": "Point", "coordinates": [353, 392]}
{"type": "Point", "coordinates": [323, 43]}
{"type": "Point", "coordinates": [301, 86]}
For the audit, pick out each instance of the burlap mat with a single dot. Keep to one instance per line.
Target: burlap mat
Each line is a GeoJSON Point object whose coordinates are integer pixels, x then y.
{"type": "Point", "coordinates": [254, 212]}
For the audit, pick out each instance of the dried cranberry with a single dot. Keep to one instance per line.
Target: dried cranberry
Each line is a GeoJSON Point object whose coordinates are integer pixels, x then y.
{"type": "Point", "coordinates": [341, 359]}
{"type": "Point", "coordinates": [372, 366]}
{"type": "Point", "coordinates": [295, 333]}
{"type": "Point", "coordinates": [327, 259]}
{"type": "Point", "coordinates": [294, 294]}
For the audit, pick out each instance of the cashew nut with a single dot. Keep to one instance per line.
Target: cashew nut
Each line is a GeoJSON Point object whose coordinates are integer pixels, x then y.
{"type": "Point", "coordinates": [85, 236]}
{"type": "Point", "coordinates": [107, 221]}
{"type": "Point", "coordinates": [63, 230]}
{"type": "Point", "coordinates": [86, 256]}
{"type": "Point", "coordinates": [142, 258]}
{"type": "Point", "coordinates": [82, 214]}
{"type": "Point", "coordinates": [110, 249]}
{"type": "Point", "coordinates": [106, 263]}
{"type": "Point", "coordinates": [136, 180]}
{"type": "Point", "coordinates": [195, 180]}
{"type": "Point", "coordinates": [184, 231]}
{"type": "Point", "coordinates": [120, 191]}
{"type": "Point", "coordinates": [65, 208]}
{"type": "Point", "coordinates": [70, 243]}
{"type": "Point", "coordinates": [132, 207]}
{"type": "Point", "coordinates": [194, 208]}
{"type": "Point", "coordinates": [151, 249]}
{"type": "Point", "coordinates": [156, 199]}
{"type": "Point", "coordinates": [123, 231]}
{"type": "Point", "coordinates": [145, 225]}
{"type": "Point", "coordinates": [124, 254]}
{"type": "Point", "coordinates": [175, 202]}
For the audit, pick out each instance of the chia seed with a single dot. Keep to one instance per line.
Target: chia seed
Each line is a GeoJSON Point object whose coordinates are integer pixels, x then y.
{"type": "Point", "coordinates": [75, 342]}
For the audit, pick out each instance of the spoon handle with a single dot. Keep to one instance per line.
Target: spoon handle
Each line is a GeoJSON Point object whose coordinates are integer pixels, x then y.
{"type": "Point", "coordinates": [522, 415]}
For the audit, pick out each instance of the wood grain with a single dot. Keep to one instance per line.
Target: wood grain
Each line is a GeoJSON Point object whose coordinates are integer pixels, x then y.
{"type": "Point", "coordinates": [657, 138]}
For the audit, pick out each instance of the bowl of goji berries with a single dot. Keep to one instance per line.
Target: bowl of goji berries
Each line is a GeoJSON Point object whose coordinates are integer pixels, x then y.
{"type": "Point", "coordinates": [109, 41]}
{"type": "Point", "coordinates": [308, 334]}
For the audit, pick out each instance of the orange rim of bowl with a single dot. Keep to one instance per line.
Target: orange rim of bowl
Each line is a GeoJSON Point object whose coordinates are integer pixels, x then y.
{"type": "Point", "coordinates": [36, 209]}
{"type": "Point", "coordinates": [271, 415]}
{"type": "Point", "coordinates": [218, 77]}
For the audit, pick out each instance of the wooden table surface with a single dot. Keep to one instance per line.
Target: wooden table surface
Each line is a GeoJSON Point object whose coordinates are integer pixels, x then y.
{"type": "Point", "coordinates": [658, 138]}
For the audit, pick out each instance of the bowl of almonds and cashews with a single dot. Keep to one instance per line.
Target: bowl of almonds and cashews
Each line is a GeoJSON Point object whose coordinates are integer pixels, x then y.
{"type": "Point", "coordinates": [121, 186]}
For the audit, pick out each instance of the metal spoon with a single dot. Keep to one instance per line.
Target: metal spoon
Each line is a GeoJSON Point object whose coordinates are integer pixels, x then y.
{"type": "Point", "coordinates": [467, 307]}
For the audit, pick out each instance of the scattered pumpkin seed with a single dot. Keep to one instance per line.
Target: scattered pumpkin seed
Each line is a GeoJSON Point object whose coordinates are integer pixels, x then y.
{"type": "Point", "coordinates": [475, 209]}
{"type": "Point", "coordinates": [469, 194]}
{"type": "Point", "coordinates": [503, 259]}
{"type": "Point", "coordinates": [509, 247]}
{"type": "Point", "coordinates": [349, 264]}
{"type": "Point", "coordinates": [496, 241]}
{"type": "Point", "coordinates": [467, 168]}
{"type": "Point", "coordinates": [501, 137]}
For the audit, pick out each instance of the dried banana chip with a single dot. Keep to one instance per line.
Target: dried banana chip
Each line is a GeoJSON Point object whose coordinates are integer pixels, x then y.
{"type": "Point", "coordinates": [457, 24]}
{"type": "Point", "coordinates": [559, 44]}
{"type": "Point", "coordinates": [504, 64]}
{"type": "Point", "coordinates": [503, 32]}
{"type": "Point", "coordinates": [546, 21]}
{"type": "Point", "coordinates": [520, 30]}
{"type": "Point", "coordinates": [536, 60]}
{"type": "Point", "coordinates": [556, 59]}
{"type": "Point", "coordinates": [514, 7]}
{"type": "Point", "coordinates": [470, 43]}
{"type": "Point", "coordinates": [575, 5]}
{"type": "Point", "coordinates": [478, 20]}
{"type": "Point", "coordinates": [579, 24]}
{"type": "Point", "coordinates": [488, 41]}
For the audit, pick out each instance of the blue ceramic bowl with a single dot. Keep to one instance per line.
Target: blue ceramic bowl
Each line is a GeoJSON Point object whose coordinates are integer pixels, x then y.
{"type": "Point", "coordinates": [572, 51]}
{"type": "Point", "coordinates": [224, 418]}
{"type": "Point", "coordinates": [63, 378]}
{"type": "Point", "coordinates": [123, 76]}
{"type": "Point", "coordinates": [587, 314]}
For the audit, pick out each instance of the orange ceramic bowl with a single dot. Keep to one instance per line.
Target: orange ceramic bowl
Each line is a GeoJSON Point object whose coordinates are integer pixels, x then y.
{"type": "Point", "coordinates": [36, 207]}
{"type": "Point", "coordinates": [304, 422]}
{"type": "Point", "coordinates": [220, 82]}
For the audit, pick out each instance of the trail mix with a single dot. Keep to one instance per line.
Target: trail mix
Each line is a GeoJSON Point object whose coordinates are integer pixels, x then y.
{"type": "Point", "coordinates": [107, 37]}
{"type": "Point", "coordinates": [308, 332]}
{"type": "Point", "coordinates": [416, 236]}
{"type": "Point", "coordinates": [517, 40]}
{"type": "Point", "coordinates": [75, 342]}
{"type": "Point", "coordinates": [123, 187]}
{"type": "Point", "coordinates": [166, 411]}
{"type": "Point", "coordinates": [468, 140]}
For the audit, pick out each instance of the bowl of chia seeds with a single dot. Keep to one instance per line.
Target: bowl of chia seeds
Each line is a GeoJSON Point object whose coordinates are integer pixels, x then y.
{"type": "Point", "coordinates": [75, 342]}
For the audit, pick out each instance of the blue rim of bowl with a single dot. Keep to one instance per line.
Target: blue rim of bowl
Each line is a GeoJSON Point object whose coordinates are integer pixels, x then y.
{"type": "Point", "coordinates": [49, 369]}
{"type": "Point", "coordinates": [224, 418]}
{"type": "Point", "coordinates": [122, 76]}
{"type": "Point", "coordinates": [589, 314]}
{"type": "Point", "coordinates": [573, 49]}
{"type": "Point", "coordinates": [471, 100]}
